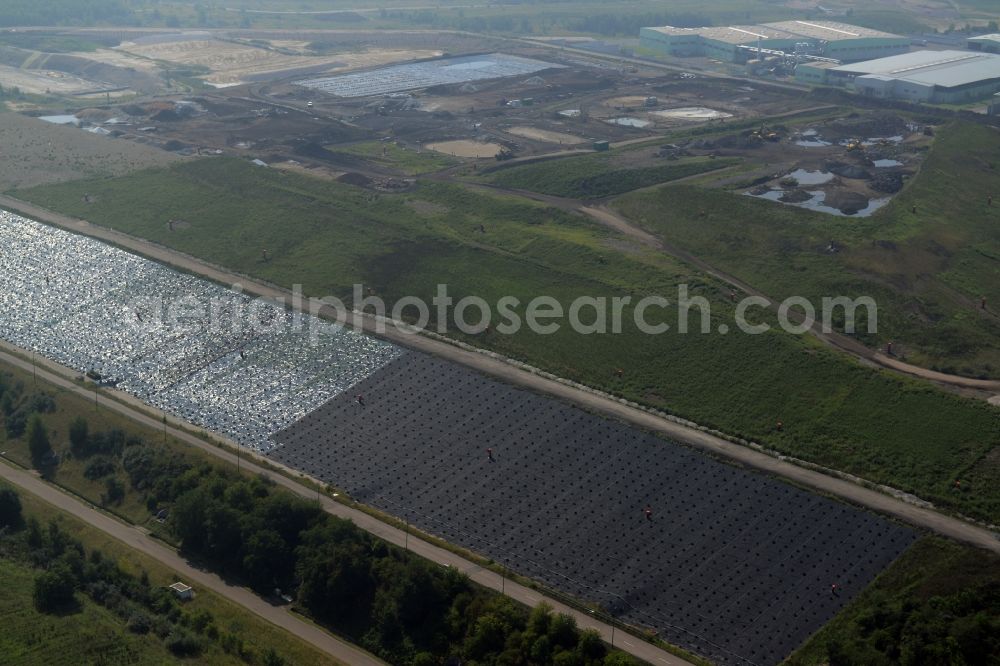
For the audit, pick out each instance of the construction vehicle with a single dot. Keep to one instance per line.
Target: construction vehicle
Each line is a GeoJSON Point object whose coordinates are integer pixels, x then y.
{"type": "Point", "coordinates": [764, 134]}
{"type": "Point", "coordinates": [768, 134]}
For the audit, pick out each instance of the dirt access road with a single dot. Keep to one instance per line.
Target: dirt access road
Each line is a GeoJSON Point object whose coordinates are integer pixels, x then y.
{"type": "Point", "coordinates": [987, 389]}
{"type": "Point", "coordinates": [133, 538]}
{"type": "Point", "coordinates": [590, 399]}
{"type": "Point", "coordinates": [990, 388]}
{"type": "Point", "coordinates": [57, 375]}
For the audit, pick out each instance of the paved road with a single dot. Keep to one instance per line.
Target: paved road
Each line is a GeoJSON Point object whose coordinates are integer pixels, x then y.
{"type": "Point", "coordinates": [53, 374]}
{"type": "Point", "coordinates": [502, 368]}
{"type": "Point", "coordinates": [280, 616]}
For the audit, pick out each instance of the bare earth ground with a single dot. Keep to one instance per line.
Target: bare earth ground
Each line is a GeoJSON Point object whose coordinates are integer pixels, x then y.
{"type": "Point", "coordinates": [233, 63]}
{"type": "Point", "coordinates": [120, 59]}
{"type": "Point", "coordinates": [464, 148]}
{"type": "Point", "coordinates": [546, 135]}
{"type": "Point", "coordinates": [43, 81]}
{"type": "Point", "coordinates": [34, 152]}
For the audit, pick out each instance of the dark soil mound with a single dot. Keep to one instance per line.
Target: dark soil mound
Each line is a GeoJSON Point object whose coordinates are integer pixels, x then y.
{"type": "Point", "coordinates": [848, 170]}
{"type": "Point", "coordinates": [796, 196]}
{"type": "Point", "coordinates": [866, 126]}
{"type": "Point", "coordinates": [354, 178]}
{"type": "Point", "coordinates": [847, 203]}
{"type": "Point", "coordinates": [890, 182]}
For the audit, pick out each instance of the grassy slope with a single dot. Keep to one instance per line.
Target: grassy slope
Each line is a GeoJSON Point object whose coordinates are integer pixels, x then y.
{"type": "Point", "coordinates": [328, 236]}
{"type": "Point", "coordinates": [932, 587]}
{"type": "Point", "coordinates": [407, 160]}
{"type": "Point", "coordinates": [93, 635]}
{"type": "Point", "coordinates": [926, 270]}
{"type": "Point", "coordinates": [594, 176]}
{"type": "Point", "coordinates": [70, 472]}
{"type": "Point", "coordinates": [97, 636]}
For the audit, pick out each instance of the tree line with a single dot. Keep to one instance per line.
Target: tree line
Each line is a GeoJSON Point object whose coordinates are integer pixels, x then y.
{"type": "Point", "coordinates": [64, 12]}
{"type": "Point", "coordinates": [403, 608]}
{"type": "Point", "coordinates": [67, 572]}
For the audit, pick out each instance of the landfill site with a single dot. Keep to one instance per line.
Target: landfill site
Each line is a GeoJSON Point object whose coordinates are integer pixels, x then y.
{"type": "Point", "coordinates": [377, 121]}
{"type": "Point", "coordinates": [405, 433]}
{"type": "Point", "coordinates": [243, 369]}
{"type": "Point", "coordinates": [262, 102]}
{"type": "Point", "coordinates": [731, 563]}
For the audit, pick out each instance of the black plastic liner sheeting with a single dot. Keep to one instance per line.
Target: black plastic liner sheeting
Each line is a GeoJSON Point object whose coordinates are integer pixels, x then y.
{"type": "Point", "coordinates": [732, 564]}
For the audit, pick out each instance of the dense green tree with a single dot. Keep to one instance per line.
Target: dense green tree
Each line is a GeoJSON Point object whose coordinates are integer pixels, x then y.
{"type": "Point", "coordinates": [35, 538]}
{"type": "Point", "coordinates": [541, 650]}
{"type": "Point", "coordinates": [188, 520]}
{"type": "Point", "coordinates": [39, 446]}
{"type": "Point", "coordinates": [10, 509]}
{"type": "Point", "coordinates": [223, 539]}
{"type": "Point", "coordinates": [590, 646]}
{"type": "Point", "coordinates": [54, 589]}
{"type": "Point", "coordinates": [335, 582]}
{"type": "Point", "coordinates": [540, 619]}
{"type": "Point", "coordinates": [487, 636]}
{"type": "Point", "coordinates": [563, 632]}
{"type": "Point", "coordinates": [79, 436]}
{"type": "Point", "coordinates": [99, 467]}
{"type": "Point", "coordinates": [263, 564]}
{"type": "Point", "coordinates": [114, 491]}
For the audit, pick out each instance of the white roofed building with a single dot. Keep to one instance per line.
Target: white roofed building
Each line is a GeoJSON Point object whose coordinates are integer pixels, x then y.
{"type": "Point", "coordinates": [937, 77]}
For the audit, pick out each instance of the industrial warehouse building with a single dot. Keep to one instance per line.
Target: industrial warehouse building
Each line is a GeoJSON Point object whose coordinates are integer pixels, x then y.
{"type": "Point", "coordinates": [937, 77]}
{"type": "Point", "coordinates": [985, 43]}
{"type": "Point", "coordinates": [827, 39]}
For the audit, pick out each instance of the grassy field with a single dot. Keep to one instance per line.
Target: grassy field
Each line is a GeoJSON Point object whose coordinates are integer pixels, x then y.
{"type": "Point", "coordinates": [330, 236]}
{"type": "Point", "coordinates": [597, 176]}
{"type": "Point", "coordinates": [94, 635]}
{"type": "Point", "coordinates": [927, 269]}
{"type": "Point", "coordinates": [939, 603]}
{"type": "Point", "coordinates": [409, 161]}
